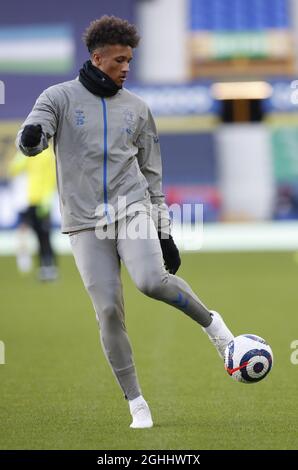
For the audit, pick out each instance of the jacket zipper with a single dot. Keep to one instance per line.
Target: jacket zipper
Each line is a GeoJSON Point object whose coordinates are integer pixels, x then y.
{"type": "Point", "coordinates": [105, 159]}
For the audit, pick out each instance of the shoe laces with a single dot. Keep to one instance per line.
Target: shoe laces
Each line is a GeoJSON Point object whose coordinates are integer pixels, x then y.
{"type": "Point", "coordinates": [142, 407]}
{"type": "Point", "coordinates": [139, 407]}
{"type": "Point", "coordinates": [217, 339]}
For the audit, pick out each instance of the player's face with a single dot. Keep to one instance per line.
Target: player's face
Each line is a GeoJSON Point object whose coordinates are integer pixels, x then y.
{"type": "Point", "coordinates": [114, 61]}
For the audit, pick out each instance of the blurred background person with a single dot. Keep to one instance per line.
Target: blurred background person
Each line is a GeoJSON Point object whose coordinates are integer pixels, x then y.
{"type": "Point", "coordinates": [36, 183]}
{"type": "Point", "coordinates": [19, 200]}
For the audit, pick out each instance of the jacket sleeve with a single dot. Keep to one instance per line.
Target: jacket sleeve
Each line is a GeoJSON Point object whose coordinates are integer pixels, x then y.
{"type": "Point", "coordinates": [149, 159]}
{"type": "Point", "coordinates": [45, 113]}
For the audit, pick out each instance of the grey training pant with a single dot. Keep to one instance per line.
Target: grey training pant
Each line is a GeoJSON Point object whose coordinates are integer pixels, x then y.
{"type": "Point", "coordinates": [98, 261]}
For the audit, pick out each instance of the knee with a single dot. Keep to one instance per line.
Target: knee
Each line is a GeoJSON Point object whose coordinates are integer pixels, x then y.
{"type": "Point", "coordinates": [110, 320]}
{"type": "Point", "coordinates": [108, 317]}
{"type": "Point", "coordinates": [107, 304]}
{"type": "Point", "coordinates": [151, 284]}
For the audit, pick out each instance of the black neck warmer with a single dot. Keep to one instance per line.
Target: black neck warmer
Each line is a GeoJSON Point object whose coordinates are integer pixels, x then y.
{"type": "Point", "coordinates": [96, 81]}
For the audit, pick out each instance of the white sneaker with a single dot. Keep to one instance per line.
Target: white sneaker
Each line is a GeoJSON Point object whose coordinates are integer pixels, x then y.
{"type": "Point", "coordinates": [219, 333]}
{"type": "Point", "coordinates": [24, 262]}
{"type": "Point", "coordinates": [140, 413]}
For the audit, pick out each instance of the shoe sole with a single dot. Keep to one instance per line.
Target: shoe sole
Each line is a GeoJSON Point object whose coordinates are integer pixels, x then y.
{"type": "Point", "coordinates": [141, 427]}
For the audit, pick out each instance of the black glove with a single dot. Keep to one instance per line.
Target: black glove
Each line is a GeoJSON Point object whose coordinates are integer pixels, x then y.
{"type": "Point", "coordinates": [31, 135]}
{"type": "Point", "coordinates": [170, 253]}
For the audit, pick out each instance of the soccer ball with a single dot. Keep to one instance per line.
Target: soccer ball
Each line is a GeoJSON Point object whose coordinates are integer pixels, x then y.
{"type": "Point", "coordinates": [248, 358]}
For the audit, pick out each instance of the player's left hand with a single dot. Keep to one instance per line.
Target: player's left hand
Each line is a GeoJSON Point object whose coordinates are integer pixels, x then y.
{"type": "Point", "coordinates": [170, 253]}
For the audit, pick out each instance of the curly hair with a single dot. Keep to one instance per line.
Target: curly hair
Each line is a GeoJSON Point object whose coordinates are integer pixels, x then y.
{"type": "Point", "coordinates": [110, 30]}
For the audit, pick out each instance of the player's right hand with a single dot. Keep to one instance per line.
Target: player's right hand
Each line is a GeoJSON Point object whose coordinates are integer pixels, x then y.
{"type": "Point", "coordinates": [31, 135]}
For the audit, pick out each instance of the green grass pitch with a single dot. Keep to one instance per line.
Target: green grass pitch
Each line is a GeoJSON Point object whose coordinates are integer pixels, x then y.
{"type": "Point", "coordinates": [57, 391]}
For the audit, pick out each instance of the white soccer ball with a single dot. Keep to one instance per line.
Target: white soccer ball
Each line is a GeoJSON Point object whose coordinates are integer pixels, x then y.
{"type": "Point", "coordinates": [248, 358]}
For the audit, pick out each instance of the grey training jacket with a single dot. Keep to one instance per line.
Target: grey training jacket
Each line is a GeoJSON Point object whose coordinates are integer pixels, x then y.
{"type": "Point", "coordinates": [105, 148]}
